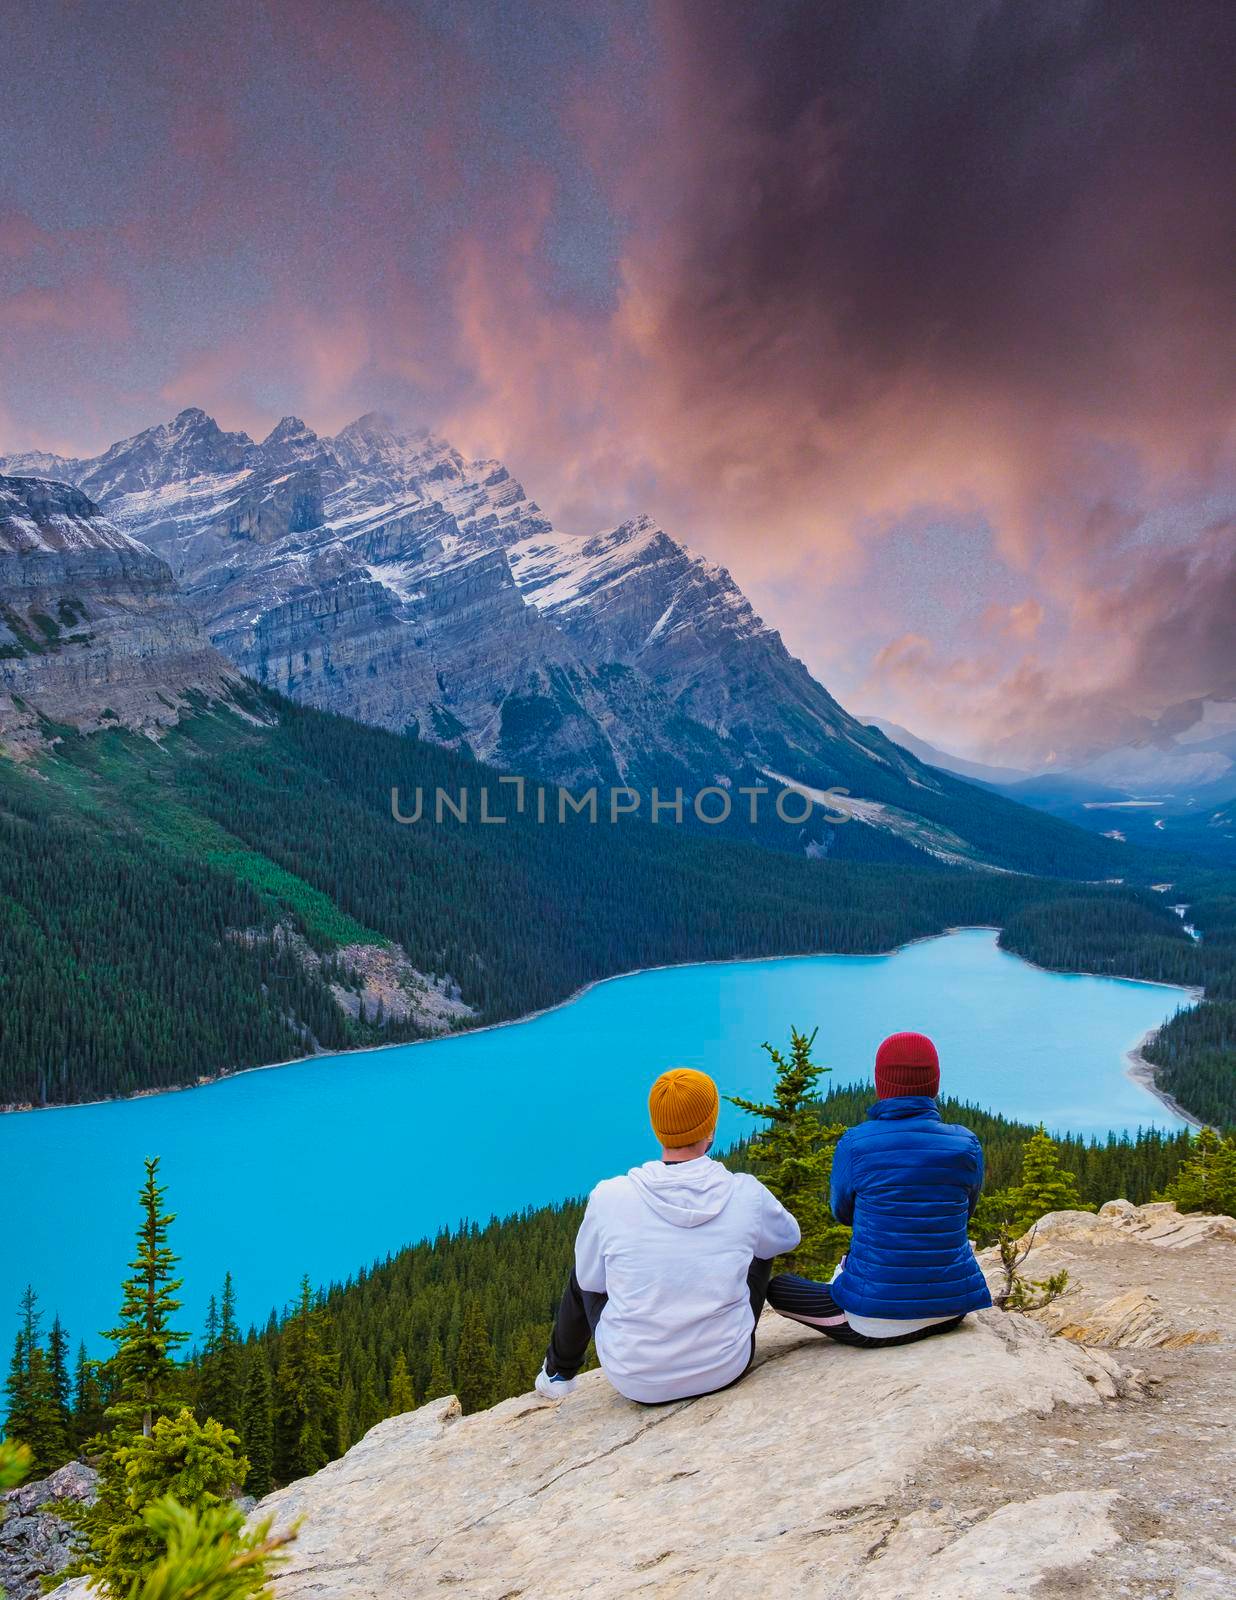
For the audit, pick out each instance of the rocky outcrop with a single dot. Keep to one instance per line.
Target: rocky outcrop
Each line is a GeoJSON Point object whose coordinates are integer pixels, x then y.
{"type": "Point", "coordinates": [92, 634]}
{"type": "Point", "coordinates": [994, 1463]}
{"type": "Point", "coordinates": [1158, 1223]}
{"type": "Point", "coordinates": [1134, 1320]}
{"type": "Point", "coordinates": [34, 1543]}
{"type": "Point", "coordinates": [1122, 1293]}
{"type": "Point", "coordinates": [776, 1486]}
{"type": "Point", "coordinates": [382, 985]}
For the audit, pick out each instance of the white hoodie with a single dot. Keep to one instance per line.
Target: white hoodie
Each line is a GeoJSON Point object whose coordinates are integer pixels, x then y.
{"type": "Point", "coordinates": [671, 1244]}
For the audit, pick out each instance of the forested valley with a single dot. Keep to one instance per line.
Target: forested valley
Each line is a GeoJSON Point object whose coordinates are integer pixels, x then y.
{"type": "Point", "coordinates": [146, 880]}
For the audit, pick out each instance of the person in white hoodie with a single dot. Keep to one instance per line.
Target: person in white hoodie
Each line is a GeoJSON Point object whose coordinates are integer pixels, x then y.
{"type": "Point", "coordinates": [672, 1263]}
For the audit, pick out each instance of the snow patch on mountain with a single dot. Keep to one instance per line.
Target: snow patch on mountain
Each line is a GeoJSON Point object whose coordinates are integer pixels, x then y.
{"type": "Point", "coordinates": [39, 514]}
{"type": "Point", "coordinates": [931, 837]}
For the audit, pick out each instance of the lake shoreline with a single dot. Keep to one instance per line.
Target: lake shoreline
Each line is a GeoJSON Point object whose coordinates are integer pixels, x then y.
{"type": "Point", "coordinates": [491, 1027]}
{"type": "Point", "coordinates": [1141, 1072]}
{"type": "Point", "coordinates": [1137, 1069]}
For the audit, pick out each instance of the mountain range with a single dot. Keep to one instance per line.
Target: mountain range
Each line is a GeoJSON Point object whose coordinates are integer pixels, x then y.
{"type": "Point", "coordinates": [933, 756]}
{"type": "Point", "coordinates": [1187, 755]}
{"type": "Point", "coordinates": [1175, 788]}
{"type": "Point", "coordinates": [380, 574]}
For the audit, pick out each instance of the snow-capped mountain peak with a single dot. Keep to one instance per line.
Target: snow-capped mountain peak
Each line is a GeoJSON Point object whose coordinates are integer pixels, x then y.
{"type": "Point", "coordinates": [288, 428]}
{"type": "Point", "coordinates": [382, 573]}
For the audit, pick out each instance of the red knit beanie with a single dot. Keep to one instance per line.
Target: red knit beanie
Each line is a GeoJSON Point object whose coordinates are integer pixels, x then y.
{"type": "Point", "coordinates": [907, 1063]}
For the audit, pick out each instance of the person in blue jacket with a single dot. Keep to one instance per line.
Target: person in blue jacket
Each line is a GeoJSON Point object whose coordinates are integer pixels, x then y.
{"type": "Point", "coordinates": [907, 1182]}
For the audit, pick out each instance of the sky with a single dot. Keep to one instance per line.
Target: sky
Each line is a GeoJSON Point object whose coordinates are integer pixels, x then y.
{"type": "Point", "coordinates": [916, 314]}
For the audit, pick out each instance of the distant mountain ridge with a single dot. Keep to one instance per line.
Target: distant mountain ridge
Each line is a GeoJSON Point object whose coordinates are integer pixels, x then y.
{"type": "Point", "coordinates": [1174, 790]}
{"type": "Point", "coordinates": [979, 771]}
{"type": "Point", "coordinates": [1189, 753]}
{"type": "Point", "coordinates": [381, 574]}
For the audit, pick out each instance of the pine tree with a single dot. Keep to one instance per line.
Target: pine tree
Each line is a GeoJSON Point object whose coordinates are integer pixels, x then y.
{"type": "Point", "coordinates": [143, 1368]}
{"type": "Point", "coordinates": [34, 1416]}
{"type": "Point", "coordinates": [793, 1157]}
{"type": "Point", "coordinates": [19, 1410]}
{"type": "Point", "coordinates": [221, 1390]}
{"type": "Point", "coordinates": [306, 1393]}
{"type": "Point", "coordinates": [1207, 1180]}
{"type": "Point", "coordinates": [88, 1417]}
{"type": "Point", "coordinates": [369, 1408]}
{"type": "Point", "coordinates": [61, 1382]}
{"type": "Point", "coordinates": [399, 1397]}
{"type": "Point", "coordinates": [438, 1383]}
{"type": "Point", "coordinates": [199, 1464]}
{"type": "Point", "coordinates": [1044, 1187]}
{"type": "Point", "coordinates": [48, 1437]}
{"type": "Point", "coordinates": [474, 1361]}
{"type": "Point", "coordinates": [211, 1342]}
{"type": "Point", "coordinates": [258, 1425]}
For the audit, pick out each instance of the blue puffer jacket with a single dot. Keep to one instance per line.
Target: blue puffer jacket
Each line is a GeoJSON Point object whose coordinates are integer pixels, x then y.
{"type": "Point", "coordinates": [909, 1183]}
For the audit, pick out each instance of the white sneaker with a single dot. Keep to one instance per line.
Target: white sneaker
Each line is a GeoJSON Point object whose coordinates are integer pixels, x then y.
{"type": "Point", "coordinates": [552, 1387]}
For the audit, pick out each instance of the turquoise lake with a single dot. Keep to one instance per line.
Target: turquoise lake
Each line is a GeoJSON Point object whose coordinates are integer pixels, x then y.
{"type": "Point", "coordinates": [324, 1165]}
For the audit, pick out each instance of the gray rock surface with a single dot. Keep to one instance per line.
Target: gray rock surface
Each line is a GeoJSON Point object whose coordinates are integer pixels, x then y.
{"type": "Point", "coordinates": [92, 634]}
{"type": "Point", "coordinates": [34, 1543]}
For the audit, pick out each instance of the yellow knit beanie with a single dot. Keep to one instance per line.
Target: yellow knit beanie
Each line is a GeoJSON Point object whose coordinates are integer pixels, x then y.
{"type": "Point", "coordinates": [683, 1106]}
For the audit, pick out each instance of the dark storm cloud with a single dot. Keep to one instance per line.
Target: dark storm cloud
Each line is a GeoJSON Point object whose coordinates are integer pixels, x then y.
{"type": "Point", "coordinates": [961, 253]}
{"type": "Point", "coordinates": [1033, 198]}
{"type": "Point", "coordinates": [801, 278]}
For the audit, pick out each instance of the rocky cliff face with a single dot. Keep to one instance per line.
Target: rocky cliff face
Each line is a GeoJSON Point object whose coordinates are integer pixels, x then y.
{"type": "Point", "coordinates": [92, 634]}
{"type": "Point", "coordinates": [34, 1541]}
{"type": "Point", "coordinates": [996, 1462]}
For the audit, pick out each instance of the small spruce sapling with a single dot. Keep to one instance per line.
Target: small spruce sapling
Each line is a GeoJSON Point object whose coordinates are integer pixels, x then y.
{"type": "Point", "coordinates": [793, 1156]}
{"type": "Point", "coordinates": [209, 1554]}
{"type": "Point", "coordinates": [1018, 1293]}
{"type": "Point", "coordinates": [199, 1464]}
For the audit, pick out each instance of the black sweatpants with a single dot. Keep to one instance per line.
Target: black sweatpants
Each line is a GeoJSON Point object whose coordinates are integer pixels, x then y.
{"type": "Point", "coordinates": [806, 1301]}
{"type": "Point", "coordinates": [580, 1310]}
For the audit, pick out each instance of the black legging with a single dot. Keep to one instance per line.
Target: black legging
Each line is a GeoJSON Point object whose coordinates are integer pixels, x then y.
{"type": "Point", "coordinates": [811, 1303]}
{"type": "Point", "coordinates": [580, 1311]}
